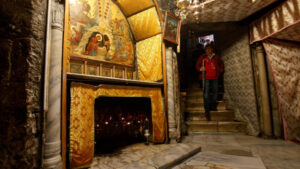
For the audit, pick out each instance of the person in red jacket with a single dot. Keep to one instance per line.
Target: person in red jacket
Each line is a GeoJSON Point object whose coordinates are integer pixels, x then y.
{"type": "Point", "coordinates": [213, 67]}
{"type": "Point", "coordinates": [199, 54]}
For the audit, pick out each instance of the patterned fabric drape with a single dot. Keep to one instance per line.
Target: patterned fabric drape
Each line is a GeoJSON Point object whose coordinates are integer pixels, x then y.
{"type": "Point", "coordinates": [277, 20]}
{"type": "Point", "coordinates": [149, 58]}
{"type": "Point", "coordinates": [228, 10]}
{"type": "Point", "coordinates": [238, 80]}
{"type": "Point", "coordinates": [284, 59]}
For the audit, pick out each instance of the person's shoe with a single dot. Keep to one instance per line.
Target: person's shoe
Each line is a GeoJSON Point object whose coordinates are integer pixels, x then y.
{"type": "Point", "coordinates": [214, 109]}
{"type": "Point", "coordinates": [207, 116]}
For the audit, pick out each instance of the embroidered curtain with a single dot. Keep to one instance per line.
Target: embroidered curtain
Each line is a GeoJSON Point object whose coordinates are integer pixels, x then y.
{"type": "Point", "coordinates": [279, 19]}
{"type": "Point", "coordinates": [284, 59]}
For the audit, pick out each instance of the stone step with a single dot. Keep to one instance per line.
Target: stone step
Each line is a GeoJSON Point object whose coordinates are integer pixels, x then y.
{"type": "Point", "coordinates": [201, 108]}
{"type": "Point", "coordinates": [216, 126]}
{"type": "Point", "coordinates": [232, 126]}
{"type": "Point", "coordinates": [194, 105]}
{"type": "Point", "coordinates": [199, 100]}
{"type": "Point", "coordinates": [194, 85]}
{"type": "Point", "coordinates": [190, 109]}
{"type": "Point", "coordinates": [191, 97]}
{"type": "Point", "coordinates": [194, 89]}
{"type": "Point", "coordinates": [198, 94]}
{"type": "Point", "coordinates": [195, 100]}
{"type": "Point", "coordinates": [225, 115]}
{"type": "Point", "coordinates": [195, 93]}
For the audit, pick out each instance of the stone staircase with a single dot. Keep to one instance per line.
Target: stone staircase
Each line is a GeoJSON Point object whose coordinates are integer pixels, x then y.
{"type": "Point", "coordinates": [222, 120]}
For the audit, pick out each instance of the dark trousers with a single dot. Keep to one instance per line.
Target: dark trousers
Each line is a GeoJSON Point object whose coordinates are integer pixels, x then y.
{"type": "Point", "coordinates": [210, 95]}
{"type": "Point", "coordinates": [201, 84]}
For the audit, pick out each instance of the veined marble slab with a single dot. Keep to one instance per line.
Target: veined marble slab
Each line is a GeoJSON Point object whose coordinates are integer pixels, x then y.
{"type": "Point", "coordinates": [213, 160]}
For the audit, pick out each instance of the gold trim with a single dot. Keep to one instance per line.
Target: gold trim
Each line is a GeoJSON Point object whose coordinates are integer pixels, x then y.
{"type": "Point", "coordinates": [66, 59]}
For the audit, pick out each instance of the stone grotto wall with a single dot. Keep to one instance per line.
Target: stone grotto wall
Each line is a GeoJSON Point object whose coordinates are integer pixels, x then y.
{"type": "Point", "coordinates": [22, 33]}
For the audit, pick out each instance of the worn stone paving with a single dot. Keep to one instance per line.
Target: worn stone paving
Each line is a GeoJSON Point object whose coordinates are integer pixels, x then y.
{"type": "Point", "coordinates": [213, 160]}
{"type": "Point", "coordinates": [274, 153]}
{"type": "Point", "coordinates": [141, 156]}
{"type": "Point", "coordinates": [218, 151]}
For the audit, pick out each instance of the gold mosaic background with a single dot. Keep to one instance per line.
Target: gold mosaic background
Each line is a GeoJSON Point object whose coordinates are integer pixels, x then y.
{"type": "Point", "coordinates": [82, 116]}
{"type": "Point", "coordinates": [149, 58]}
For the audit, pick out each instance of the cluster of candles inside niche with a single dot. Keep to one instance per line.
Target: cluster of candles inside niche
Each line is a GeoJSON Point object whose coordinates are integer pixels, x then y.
{"type": "Point", "coordinates": [116, 124]}
{"type": "Point", "coordinates": [121, 121]}
{"type": "Point", "coordinates": [117, 117]}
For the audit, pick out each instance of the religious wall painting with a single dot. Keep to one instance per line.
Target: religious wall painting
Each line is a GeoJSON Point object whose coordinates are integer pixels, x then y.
{"type": "Point", "coordinates": [99, 31]}
{"type": "Point", "coordinates": [172, 28]}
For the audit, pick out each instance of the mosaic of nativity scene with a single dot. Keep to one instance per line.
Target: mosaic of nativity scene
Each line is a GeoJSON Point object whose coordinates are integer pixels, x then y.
{"type": "Point", "coordinates": [100, 31]}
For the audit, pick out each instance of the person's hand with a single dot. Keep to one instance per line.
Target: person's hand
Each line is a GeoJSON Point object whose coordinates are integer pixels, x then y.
{"type": "Point", "coordinates": [203, 67]}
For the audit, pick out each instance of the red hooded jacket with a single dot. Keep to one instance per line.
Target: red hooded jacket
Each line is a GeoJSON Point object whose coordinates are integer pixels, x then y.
{"type": "Point", "coordinates": [214, 67]}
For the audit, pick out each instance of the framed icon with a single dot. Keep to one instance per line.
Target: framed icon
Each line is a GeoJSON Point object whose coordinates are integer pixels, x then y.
{"type": "Point", "coordinates": [172, 28]}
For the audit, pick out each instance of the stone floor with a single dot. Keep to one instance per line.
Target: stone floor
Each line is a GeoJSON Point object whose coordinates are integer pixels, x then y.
{"type": "Point", "coordinates": [213, 160]}
{"type": "Point", "coordinates": [219, 151]}
{"type": "Point", "coordinates": [275, 154]}
{"type": "Point", "coordinates": [141, 156]}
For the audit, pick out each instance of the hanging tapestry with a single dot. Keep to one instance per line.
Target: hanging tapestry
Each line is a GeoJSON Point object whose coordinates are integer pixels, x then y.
{"type": "Point", "coordinates": [284, 59]}
{"type": "Point", "coordinates": [282, 17]}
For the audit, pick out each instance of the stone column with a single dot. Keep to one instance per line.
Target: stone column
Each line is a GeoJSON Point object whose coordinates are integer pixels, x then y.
{"type": "Point", "coordinates": [177, 95]}
{"type": "Point", "coordinates": [171, 103]}
{"type": "Point", "coordinates": [52, 147]}
{"type": "Point", "coordinates": [267, 128]}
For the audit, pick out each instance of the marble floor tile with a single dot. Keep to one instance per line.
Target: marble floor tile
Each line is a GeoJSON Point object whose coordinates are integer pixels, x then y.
{"type": "Point", "coordinates": [215, 160]}
{"type": "Point", "coordinates": [273, 153]}
{"type": "Point", "coordinates": [218, 151]}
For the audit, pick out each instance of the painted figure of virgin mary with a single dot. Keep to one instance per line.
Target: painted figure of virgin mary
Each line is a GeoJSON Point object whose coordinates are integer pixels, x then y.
{"type": "Point", "coordinates": [98, 44]}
